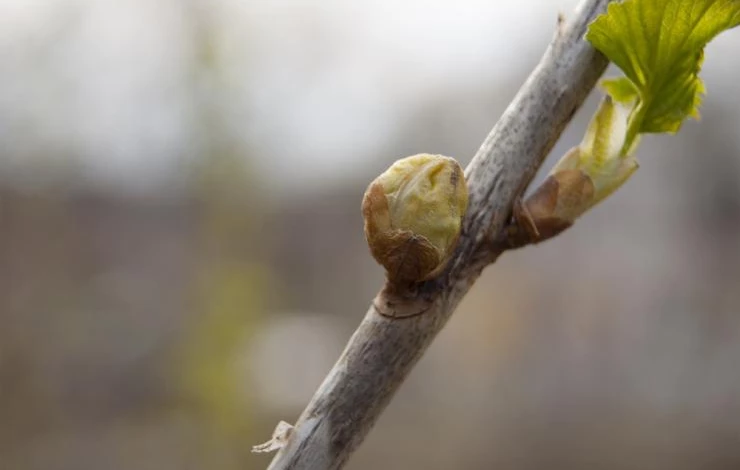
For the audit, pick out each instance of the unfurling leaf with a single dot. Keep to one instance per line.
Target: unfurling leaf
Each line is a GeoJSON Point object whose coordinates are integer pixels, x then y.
{"type": "Point", "coordinates": [659, 45]}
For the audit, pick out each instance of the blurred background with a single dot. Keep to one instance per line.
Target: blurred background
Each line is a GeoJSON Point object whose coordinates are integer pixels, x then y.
{"type": "Point", "coordinates": [182, 258]}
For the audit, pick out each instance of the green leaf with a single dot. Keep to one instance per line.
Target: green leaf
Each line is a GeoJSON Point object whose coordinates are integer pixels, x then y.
{"type": "Point", "coordinates": [621, 89]}
{"type": "Point", "coordinates": [659, 45]}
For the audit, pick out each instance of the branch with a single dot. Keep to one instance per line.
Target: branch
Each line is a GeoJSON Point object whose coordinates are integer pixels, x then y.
{"type": "Point", "coordinates": [399, 327]}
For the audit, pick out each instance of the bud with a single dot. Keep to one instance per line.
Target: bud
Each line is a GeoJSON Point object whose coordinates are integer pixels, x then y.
{"type": "Point", "coordinates": [602, 155]}
{"type": "Point", "coordinates": [586, 175]}
{"type": "Point", "coordinates": [413, 214]}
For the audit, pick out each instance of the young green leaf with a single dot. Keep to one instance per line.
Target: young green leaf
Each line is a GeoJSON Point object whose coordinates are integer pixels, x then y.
{"type": "Point", "coordinates": [600, 155]}
{"type": "Point", "coordinates": [659, 45]}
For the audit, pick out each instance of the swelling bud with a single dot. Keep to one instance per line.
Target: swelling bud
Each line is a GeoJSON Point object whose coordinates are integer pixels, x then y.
{"type": "Point", "coordinates": [413, 215]}
{"type": "Point", "coordinates": [585, 176]}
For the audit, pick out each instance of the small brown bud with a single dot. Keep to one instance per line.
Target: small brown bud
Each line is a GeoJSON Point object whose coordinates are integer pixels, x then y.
{"type": "Point", "coordinates": [413, 214]}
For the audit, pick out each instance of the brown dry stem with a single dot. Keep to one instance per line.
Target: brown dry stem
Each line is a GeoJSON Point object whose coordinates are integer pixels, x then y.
{"type": "Point", "coordinates": [395, 333]}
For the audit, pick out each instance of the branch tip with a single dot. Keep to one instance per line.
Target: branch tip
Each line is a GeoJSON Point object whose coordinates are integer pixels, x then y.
{"type": "Point", "coordinates": [279, 439]}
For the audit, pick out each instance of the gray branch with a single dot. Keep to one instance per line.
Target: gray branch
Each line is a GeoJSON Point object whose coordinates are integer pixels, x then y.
{"type": "Point", "coordinates": [383, 349]}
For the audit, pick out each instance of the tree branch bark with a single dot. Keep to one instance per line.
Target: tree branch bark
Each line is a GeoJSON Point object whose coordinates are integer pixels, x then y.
{"type": "Point", "coordinates": [397, 328]}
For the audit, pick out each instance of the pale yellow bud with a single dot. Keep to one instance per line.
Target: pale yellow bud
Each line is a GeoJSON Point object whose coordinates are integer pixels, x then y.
{"type": "Point", "coordinates": [413, 215]}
